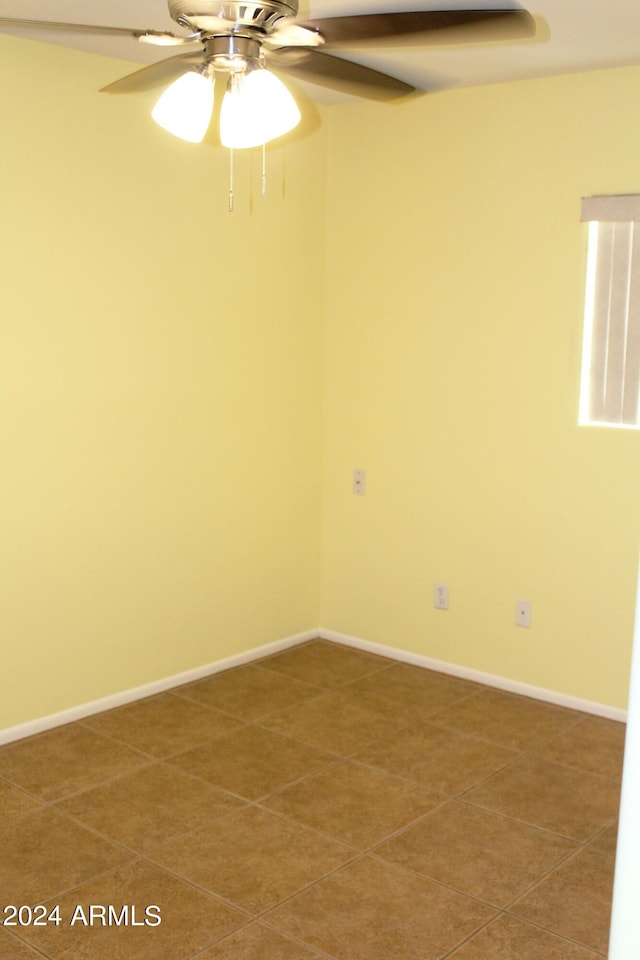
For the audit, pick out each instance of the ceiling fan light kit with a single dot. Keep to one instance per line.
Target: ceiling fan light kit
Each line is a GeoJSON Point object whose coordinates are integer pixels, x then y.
{"type": "Point", "coordinates": [250, 42]}
{"type": "Point", "coordinates": [185, 108]}
{"type": "Point", "coordinates": [257, 108]}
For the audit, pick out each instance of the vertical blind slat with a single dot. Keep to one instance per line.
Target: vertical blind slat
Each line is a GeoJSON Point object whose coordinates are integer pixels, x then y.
{"type": "Point", "coordinates": [617, 322]}
{"type": "Point", "coordinates": [598, 372]}
{"type": "Point", "coordinates": [631, 401]}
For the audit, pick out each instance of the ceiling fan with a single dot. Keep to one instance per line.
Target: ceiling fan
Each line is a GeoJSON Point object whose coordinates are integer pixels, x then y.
{"type": "Point", "coordinates": [239, 38]}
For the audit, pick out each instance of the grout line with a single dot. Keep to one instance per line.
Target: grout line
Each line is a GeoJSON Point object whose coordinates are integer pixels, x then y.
{"type": "Point", "coordinates": [459, 946]}
{"type": "Point", "coordinates": [553, 933]}
{"type": "Point", "coordinates": [315, 951]}
{"type": "Point", "coordinates": [519, 820]}
{"type": "Point", "coordinates": [59, 894]}
{"type": "Point", "coordinates": [358, 856]}
{"type": "Point", "coordinates": [250, 917]}
{"type": "Point", "coordinates": [21, 789]}
{"type": "Point", "coordinates": [325, 834]}
{"type": "Point", "coordinates": [37, 950]}
{"type": "Point", "coordinates": [287, 937]}
{"type": "Point", "coordinates": [402, 867]}
{"type": "Point", "coordinates": [570, 855]}
{"type": "Point", "coordinates": [504, 914]}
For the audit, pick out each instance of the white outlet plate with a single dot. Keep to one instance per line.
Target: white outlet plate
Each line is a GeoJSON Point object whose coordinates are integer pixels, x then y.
{"type": "Point", "coordinates": [523, 613]}
{"type": "Point", "coordinates": [359, 482]}
{"type": "Point", "coordinates": [441, 596]}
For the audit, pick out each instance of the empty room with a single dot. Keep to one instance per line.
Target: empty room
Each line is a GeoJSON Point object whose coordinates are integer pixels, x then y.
{"type": "Point", "coordinates": [319, 514]}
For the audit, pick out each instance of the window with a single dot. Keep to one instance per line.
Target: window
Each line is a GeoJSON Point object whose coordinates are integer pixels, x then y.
{"type": "Point", "coordinates": [610, 388]}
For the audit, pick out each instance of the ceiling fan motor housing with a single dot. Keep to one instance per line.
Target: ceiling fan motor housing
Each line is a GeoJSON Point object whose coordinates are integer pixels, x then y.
{"type": "Point", "coordinates": [232, 52]}
{"type": "Point", "coordinates": [213, 17]}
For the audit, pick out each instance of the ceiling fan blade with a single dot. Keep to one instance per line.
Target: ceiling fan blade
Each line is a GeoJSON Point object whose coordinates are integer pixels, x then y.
{"type": "Point", "coordinates": [424, 26]}
{"type": "Point", "coordinates": [315, 66]}
{"type": "Point", "coordinates": [289, 34]}
{"type": "Point", "coordinates": [155, 37]}
{"type": "Point", "coordinates": [155, 75]}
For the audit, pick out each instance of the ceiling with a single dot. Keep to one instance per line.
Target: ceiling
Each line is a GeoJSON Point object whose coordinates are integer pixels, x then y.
{"type": "Point", "coordinates": [572, 36]}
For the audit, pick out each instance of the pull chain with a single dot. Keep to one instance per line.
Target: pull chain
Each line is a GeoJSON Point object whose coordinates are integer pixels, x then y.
{"type": "Point", "coordinates": [231, 172]}
{"type": "Point", "coordinates": [231, 181]}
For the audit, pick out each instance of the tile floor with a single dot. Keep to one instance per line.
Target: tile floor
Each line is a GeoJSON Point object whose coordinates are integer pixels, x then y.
{"type": "Point", "coordinates": [320, 803]}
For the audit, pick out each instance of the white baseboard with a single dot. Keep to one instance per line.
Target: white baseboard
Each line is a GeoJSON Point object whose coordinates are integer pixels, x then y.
{"type": "Point", "coordinates": [22, 730]}
{"type": "Point", "coordinates": [466, 673]}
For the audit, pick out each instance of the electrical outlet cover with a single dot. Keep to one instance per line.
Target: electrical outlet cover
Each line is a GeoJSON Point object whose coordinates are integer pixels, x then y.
{"type": "Point", "coordinates": [441, 596]}
{"type": "Point", "coordinates": [523, 613]}
{"type": "Point", "coordinates": [359, 482]}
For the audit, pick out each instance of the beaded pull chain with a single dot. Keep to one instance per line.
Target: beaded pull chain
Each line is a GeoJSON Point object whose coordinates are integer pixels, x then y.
{"type": "Point", "coordinates": [230, 181]}
{"type": "Point", "coordinates": [264, 175]}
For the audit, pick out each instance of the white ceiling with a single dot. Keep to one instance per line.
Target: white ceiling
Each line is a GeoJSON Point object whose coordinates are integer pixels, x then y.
{"type": "Point", "coordinates": [573, 35]}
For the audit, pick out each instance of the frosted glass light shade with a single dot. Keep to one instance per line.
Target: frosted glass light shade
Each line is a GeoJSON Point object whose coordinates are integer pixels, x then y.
{"type": "Point", "coordinates": [185, 108]}
{"type": "Point", "coordinates": [255, 110]}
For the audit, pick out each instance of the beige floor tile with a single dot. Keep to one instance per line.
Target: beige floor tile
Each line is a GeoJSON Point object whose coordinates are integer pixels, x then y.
{"type": "Point", "coordinates": [253, 858]}
{"type": "Point", "coordinates": [595, 744]}
{"type": "Point", "coordinates": [63, 761]}
{"type": "Point", "coordinates": [438, 758]}
{"type": "Point", "coordinates": [11, 948]}
{"type": "Point", "coordinates": [191, 919]}
{"type": "Point", "coordinates": [333, 721]}
{"type": "Point", "coordinates": [147, 807]}
{"type": "Point", "coordinates": [509, 720]}
{"type": "Point", "coordinates": [15, 803]}
{"type": "Point", "coordinates": [575, 900]}
{"type": "Point", "coordinates": [162, 725]}
{"type": "Point", "coordinates": [476, 852]}
{"type": "Point", "coordinates": [249, 693]}
{"type": "Point", "coordinates": [509, 939]}
{"type": "Point", "coordinates": [45, 853]}
{"type": "Point", "coordinates": [252, 762]}
{"type": "Point", "coordinates": [408, 692]}
{"type": "Point", "coordinates": [548, 795]}
{"type": "Point", "coordinates": [256, 942]}
{"type": "Point", "coordinates": [324, 664]}
{"type": "Point", "coordinates": [371, 910]}
{"type": "Point", "coordinates": [354, 803]}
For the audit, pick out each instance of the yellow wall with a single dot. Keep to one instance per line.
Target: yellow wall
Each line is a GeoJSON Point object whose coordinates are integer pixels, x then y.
{"type": "Point", "coordinates": [161, 386]}
{"type": "Point", "coordinates": [455, 264]}
{"type": "Point", "coordinates": [160, 390]}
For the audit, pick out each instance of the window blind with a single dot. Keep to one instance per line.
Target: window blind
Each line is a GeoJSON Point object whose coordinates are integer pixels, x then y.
{"type": "Point", "coordinates": [611, 358]}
